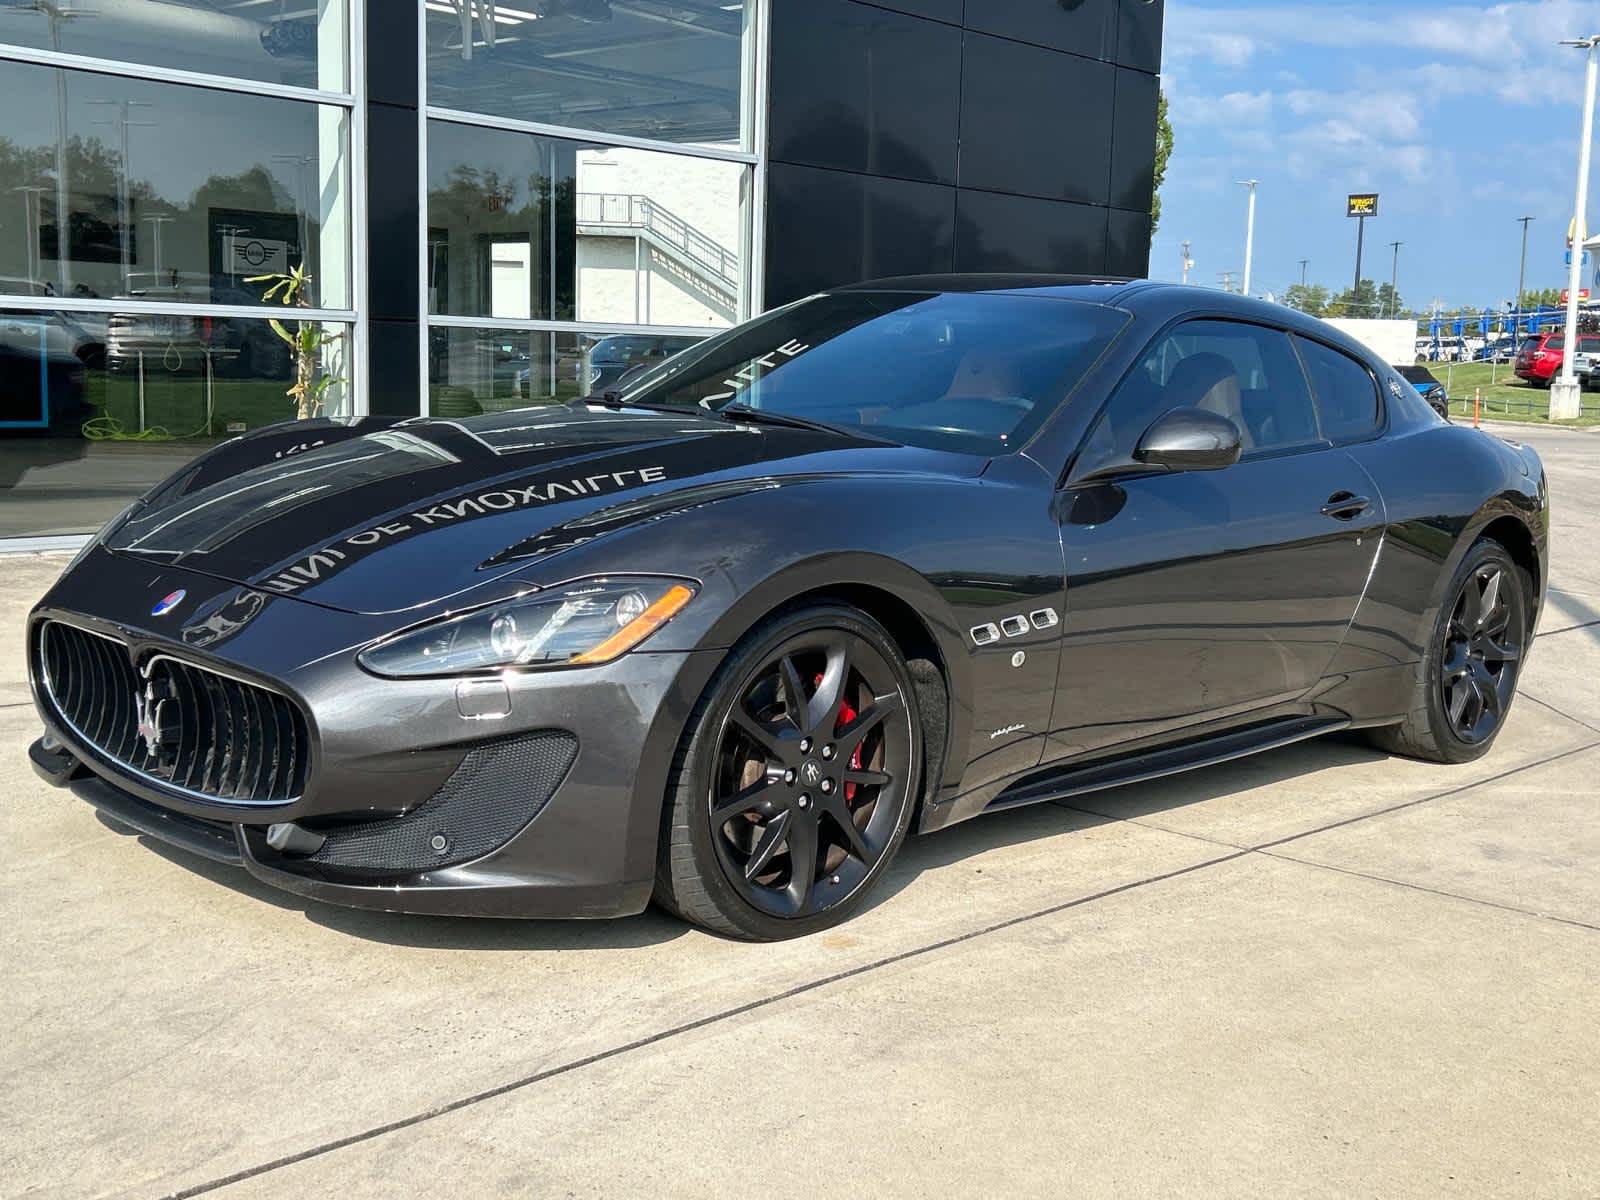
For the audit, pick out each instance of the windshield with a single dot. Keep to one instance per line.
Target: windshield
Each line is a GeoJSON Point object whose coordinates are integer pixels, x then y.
{"type": "Point", "coordinates": [975, 373]}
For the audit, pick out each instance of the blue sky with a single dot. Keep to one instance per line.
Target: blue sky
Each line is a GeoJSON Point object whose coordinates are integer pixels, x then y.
{"type": "Point", "coordinates": [1465, 117]}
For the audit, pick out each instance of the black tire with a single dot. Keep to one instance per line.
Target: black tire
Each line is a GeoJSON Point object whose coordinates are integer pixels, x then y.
{"type": "Point", "coordinates": [1467, 680]}
{"type": "Point", "coordinates": [744, 752]}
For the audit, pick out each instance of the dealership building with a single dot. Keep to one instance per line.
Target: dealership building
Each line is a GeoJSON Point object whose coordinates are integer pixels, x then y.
{"type": "Point", "coordinates": [460, 206]}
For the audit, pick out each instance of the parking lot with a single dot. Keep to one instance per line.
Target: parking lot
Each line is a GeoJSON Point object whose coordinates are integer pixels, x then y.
{"type": "Point", "coordinates": [1321, 970]}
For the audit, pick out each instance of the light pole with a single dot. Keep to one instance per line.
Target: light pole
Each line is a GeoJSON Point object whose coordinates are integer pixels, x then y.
{"type": "Point", "coordinates": [1304, 263]}
{"type": "Point", "coordinates": [1566, 393]}
{"type": "Point", "coordinates": [1394, 283]}
{"type": "Point", "coordinates": [1522, 271]}
{"type": "Point", "coordinates": [1249, 232]}
{"type": "Point", "coordinates": [1188, 262]}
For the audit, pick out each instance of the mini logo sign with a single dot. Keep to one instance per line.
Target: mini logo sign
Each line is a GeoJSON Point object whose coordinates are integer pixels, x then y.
{"type": "Point", "coordinates": [168, 602]}
{"type": "Point", "coordinates": [1363, 204]}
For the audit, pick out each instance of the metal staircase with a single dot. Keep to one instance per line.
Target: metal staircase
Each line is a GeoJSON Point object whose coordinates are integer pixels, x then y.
{"type": "Point", "coordinates": [704, 262]}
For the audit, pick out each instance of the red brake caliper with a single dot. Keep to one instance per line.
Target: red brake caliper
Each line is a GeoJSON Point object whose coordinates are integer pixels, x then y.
{"type": "Point", "coordinates": [847, 713]}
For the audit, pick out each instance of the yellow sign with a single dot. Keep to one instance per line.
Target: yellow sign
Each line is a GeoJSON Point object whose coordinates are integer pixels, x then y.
{"type": "Point", "coordinates": [1363, 205]}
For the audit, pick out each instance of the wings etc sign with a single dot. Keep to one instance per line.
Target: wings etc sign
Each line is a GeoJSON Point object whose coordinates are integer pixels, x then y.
{"type": "Point", "coordinates": [1363, 204]}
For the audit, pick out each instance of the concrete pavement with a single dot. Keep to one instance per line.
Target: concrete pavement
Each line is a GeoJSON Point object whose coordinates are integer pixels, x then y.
{"type": "Point", "coordinates": [1313, 972]}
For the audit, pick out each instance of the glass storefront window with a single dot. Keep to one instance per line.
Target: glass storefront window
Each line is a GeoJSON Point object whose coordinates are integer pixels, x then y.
{"type": "Point", "coordinates": [667, 72]}
{"type": "Point", "coordinates": [169, 192]}
{"type": "Point", "coordinates": [523, 227]}
{"type": "Point", "coordinates": [245, 39]}
{"type": "Point", "coordinates": [95, 409]}
{"type": "Point", "coordinates": [481, 369]}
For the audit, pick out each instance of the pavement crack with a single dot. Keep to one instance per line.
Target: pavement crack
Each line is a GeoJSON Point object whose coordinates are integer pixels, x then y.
{"type": "Point", "coordinates": [716, 1018]}
{"type": "Point", "coordinates": [1433, 891]}
{"type": "Point", "coordinates": [1563, 715]}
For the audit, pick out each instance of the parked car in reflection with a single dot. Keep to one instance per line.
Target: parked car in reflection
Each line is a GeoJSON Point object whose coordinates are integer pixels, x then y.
{"type": "Point", "coordinates": [611, 359]}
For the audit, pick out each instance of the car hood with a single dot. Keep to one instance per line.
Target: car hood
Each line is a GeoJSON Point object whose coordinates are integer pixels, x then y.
{"type": "Point", "coordinates": [382, 516]}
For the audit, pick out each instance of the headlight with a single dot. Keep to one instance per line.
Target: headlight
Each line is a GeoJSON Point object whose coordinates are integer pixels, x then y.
{"type": "Point", "coordinates": [581, 625]}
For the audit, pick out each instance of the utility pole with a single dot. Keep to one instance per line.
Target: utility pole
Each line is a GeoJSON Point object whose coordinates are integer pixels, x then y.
{"type": "Point", "coordinates": [1394, 283]}
{"type": "Point", "coordinates": [1188, 262]}
{"type": "Point", "coordinates": [1227, 280]}
{"type": "Point", "coordinates": [1304, 263]}
{"type": "Point", "coordinates": [1249, 232]}
{"type": "Point", "coordinates": [1566, 393]}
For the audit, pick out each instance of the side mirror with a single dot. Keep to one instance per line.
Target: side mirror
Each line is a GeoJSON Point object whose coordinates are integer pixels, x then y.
{"type": "Point", "coordinates": [1190, 439]}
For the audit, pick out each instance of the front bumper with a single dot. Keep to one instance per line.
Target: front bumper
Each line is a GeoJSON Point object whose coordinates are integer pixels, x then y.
{"type": "Point", "coordinates": [399, 768]}
{"type": "Point", "coordinates": [516, 880]}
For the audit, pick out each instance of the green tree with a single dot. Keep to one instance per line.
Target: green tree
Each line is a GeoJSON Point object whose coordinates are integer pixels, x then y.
{"type": "Point", "coordinates": [1311, 299]}
{"type": "Point", "coordinates": [1543, 298]}
{"type": "Point", "coordinates": [1164, 141]}
{"type": "Point", "coordinates": [1362, 301]}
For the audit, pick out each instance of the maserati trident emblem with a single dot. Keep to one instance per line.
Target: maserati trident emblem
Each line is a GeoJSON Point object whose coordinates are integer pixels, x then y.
{"type": "Point", "coordinates": [149, 732]}
{"type": "Point", "coordinates": [168, 602]}
{"type": "Point", "coordinates": [811, 773]}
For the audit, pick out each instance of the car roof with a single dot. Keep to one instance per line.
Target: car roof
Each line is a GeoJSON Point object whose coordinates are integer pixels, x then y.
{"type": "Point", "coordinates": [1096, 289]}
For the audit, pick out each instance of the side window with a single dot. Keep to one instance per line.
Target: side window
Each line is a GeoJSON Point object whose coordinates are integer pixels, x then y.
{"type": "Point", "coordinates": [1347, 397]}
{"type": "Point", "coordinates": [1247, 373]}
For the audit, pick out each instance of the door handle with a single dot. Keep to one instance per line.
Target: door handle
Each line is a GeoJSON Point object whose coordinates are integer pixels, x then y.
{"type": "Point", "coordinates": [1345, 506]}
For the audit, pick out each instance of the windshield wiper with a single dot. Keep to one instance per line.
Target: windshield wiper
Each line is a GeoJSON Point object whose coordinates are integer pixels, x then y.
{"type": "Point", "coordinates": [615, 402]}
{"type": "Point", "coordinates": [766, 416]}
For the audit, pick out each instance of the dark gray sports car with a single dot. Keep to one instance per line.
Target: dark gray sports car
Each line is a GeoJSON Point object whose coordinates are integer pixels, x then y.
{"type": "Point", "coordinates": [876, 562]}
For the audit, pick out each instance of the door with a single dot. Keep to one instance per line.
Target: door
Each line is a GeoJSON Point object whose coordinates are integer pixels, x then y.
{"type": "Point", "coordinates": [1200, 595]}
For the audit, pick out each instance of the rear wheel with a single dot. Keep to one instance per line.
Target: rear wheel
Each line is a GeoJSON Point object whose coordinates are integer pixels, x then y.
{"type": "Point", "coordinates": [796, 780]}
{"type": "Point", "coordinates": [1468, 679]}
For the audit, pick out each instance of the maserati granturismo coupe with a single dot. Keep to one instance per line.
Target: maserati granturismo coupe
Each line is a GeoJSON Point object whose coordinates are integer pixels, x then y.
{"type": "Point", "coordinates": [882, 560]}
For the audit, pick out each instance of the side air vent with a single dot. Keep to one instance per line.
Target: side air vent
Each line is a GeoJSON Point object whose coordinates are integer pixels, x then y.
{"type": "Point", "coordinates": [488, 799]}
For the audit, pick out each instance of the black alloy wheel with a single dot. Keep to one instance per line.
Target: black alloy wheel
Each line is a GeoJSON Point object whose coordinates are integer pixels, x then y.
{"type": "Point", "coordinates": [1466, 682]}
{"type": "Point", "coordinates": [798, 779]}
{"type": "Point", "coordinates": [1483, 647]}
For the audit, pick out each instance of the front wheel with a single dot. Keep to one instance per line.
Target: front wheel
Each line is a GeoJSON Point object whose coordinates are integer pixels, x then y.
{"type": "Point", "coordinates": [1468, 678]}
{"type": "Point", "coordinates": [796, 779]}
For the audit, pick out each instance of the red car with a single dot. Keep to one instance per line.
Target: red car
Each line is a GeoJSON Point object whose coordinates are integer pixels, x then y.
{"type": "Point", "coordinates": [1541, 355]}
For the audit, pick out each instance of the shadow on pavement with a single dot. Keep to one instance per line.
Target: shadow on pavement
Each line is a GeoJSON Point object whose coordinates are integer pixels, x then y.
{"type": "Point", "coordinates": [967, 842]}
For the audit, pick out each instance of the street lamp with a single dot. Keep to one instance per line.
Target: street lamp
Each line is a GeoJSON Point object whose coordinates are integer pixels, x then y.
{"type": "Point", "coordinates": [1566, 393]}
{"type": "Point", "coordinates": [1249, 232]}
{"type": "Point", "coordinates": [1394, 284]}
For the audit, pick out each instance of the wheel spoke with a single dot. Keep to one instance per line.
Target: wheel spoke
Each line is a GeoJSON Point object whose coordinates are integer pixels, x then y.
{"type": "Point", "coordinates": [802, 840]}
{"type": "Point", "coordinates": [758, 732]}
{"type": "Point", "coordinates": [1471, 608]}
{"type": "Point", "coordinates": [1504, 652]}
{"type": "Point", "coordinates": [824, 709]}
{"type": "Point", "coordinates": [840, 812]}
{"type": "Point", "coordinates": [868, 778]}
{"type": "Point", "coordinates": [1487, 687]}
{"type": "Point", "coordinates": [851, 736]}
{"type": "Point", "coordinates": [749, 799]}
{"type": "Point", "coordinates": [1490, 599]}
{"type": "Point", "coordinates": [767, 845]}
{"type": "Point", "coordinates": [794, 694]}
{"type": "Point", "coordinates": [1460, 693]}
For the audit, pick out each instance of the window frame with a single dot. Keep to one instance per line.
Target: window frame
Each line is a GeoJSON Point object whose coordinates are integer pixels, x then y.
{"type": "Point", "coordinates": [752, 156]}
{"type": "Point", "coordinates": [350, 101]}
{"type": "Point", "coordinates": [1379, 428]}
{"type": "Point", "coordinates": [1126, 466]}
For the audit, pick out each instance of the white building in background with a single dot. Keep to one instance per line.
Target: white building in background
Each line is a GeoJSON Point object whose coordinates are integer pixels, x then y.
{"type": "Point", "coordinates": [657, 247]}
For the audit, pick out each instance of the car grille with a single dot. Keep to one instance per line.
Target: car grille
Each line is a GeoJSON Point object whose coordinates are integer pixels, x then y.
{"type": "Point", "coordinates": [179, 725]}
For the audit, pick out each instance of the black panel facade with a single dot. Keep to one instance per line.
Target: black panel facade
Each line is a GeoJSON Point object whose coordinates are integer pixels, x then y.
{"type": "Point", "coordinates": [916, 136]}
{"type": "Point", "coordinates": [394, 335]}
{"type": "Point", "coordinates": [862, 89]}
{"type": "Point", "coordinates": [824, 227]}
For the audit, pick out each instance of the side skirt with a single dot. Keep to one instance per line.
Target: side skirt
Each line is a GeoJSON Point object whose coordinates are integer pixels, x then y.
{"type": "Point", "coordinates": [1059, 783]}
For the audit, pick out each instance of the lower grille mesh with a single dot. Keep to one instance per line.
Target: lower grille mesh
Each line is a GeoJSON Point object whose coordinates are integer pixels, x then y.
{"type": "Point", "coordinates": [175, 722]}
{"type": "Point", "coordinates": [488, 799]}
